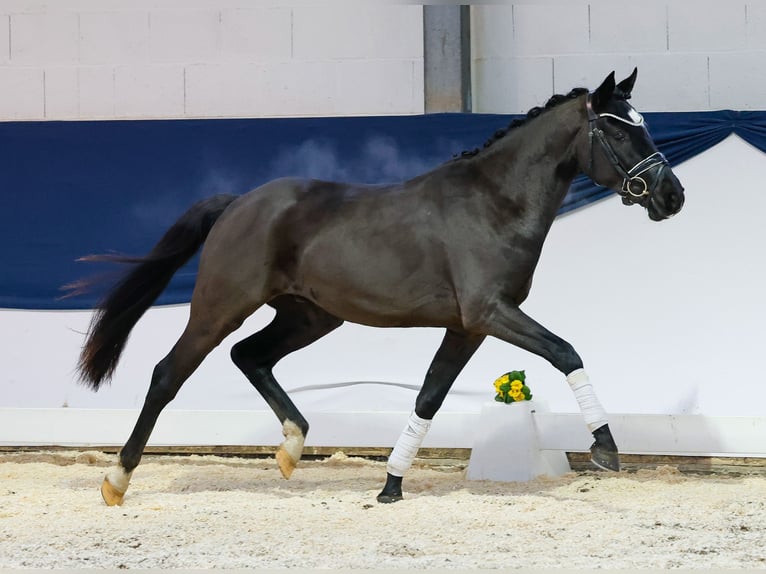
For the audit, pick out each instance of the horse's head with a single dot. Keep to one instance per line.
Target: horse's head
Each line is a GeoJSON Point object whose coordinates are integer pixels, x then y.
{"type": "Point", "coordinates": [622, 155]}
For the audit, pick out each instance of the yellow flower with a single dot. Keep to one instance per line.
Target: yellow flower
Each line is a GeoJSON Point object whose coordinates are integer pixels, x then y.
{"type": "Point", "coordinates": [510, 387]}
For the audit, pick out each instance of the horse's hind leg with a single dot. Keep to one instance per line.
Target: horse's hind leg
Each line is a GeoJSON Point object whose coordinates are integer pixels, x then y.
{"type": "Point", "coordinates": [453, 354]}
{"type": "Point", "coordinates": [200, 337]}
{"type": "Point", "coordinates": [298, 323]}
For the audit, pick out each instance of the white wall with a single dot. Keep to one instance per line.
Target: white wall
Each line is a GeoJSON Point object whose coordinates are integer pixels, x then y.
{"type": "Point", "coordinates": [692, 54]}
{"type": "Point", "coordinates": [668, 318]}
{"type": "Point", "coordinates": [88, 59]}
{"type": "Point", "coordinates": [91, 59]}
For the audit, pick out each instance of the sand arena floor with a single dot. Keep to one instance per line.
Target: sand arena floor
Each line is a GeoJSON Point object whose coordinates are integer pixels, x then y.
{"type": "Point", "coordinates": [220, 512]}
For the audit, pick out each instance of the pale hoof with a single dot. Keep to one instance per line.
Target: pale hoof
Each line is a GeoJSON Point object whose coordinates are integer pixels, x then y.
{"type": "Point", "coordinates": [290, 451]}
{"type": "Point", "coordinates": [285, 462]}
{"type": "Point", "coordinates": [111, 495]}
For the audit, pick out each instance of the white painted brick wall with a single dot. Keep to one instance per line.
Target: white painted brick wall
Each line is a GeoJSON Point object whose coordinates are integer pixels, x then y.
{"type": "Point", "coordinates": [359, 82]}
{"type": "Point", "coordinates": [184, 35]}
{"type": "Point", "coordinates": [114, 37]}
{"type": "Point", "coordinates": [738, 81]}
{"type": "Point", "coordinates": [672, 82]}
{"type": "Point", "coordinates": [96, 95]}
{"type": "Point", "coordinates": [261, 89]}
{"type": "Point", "coordinates": [149, 91]}
{"type": "Point", "coordinates": [44, 39]}
{"type": "Point", "coordinates": [267, 33]}
{"type": "Point", "coordinates": [545, 29]}
{"type": "Point", "coordinates": [756, 25]}
{"type": "Point", "coordinates": [492, 32]}
{"type": "Point", "coordinates": [82, 59]}
{"type": "Point", "coordinates": [691, 54]}
{"type": "Point", "coordinates": [707, 26]}
{"type": "Point", "coordinates": [62, 87]}
{"type": "Point", "coordinates": [5, 38]}
{"type": "Point", "coordinates": [100, 59]}
{"type": "Point", "coordinates": [516, 83]}
{"type": "Point", "coordinates": [365, 31]}
{"type": "Point", "coordinates": [22, 93]}
{"type": "Point", "coordinates": [641, 30]}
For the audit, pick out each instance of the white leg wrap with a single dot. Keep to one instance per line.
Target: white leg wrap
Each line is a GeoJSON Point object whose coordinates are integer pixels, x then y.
{"type": "Point", "coordinates": [408, 444]}
{"type": "Point", "coordinates": [590, 407]}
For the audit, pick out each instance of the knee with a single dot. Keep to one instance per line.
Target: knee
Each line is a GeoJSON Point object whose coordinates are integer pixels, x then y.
{"type": "Point", "coordinates": [427, 404]}
{"type": "Point", "coordinates": [566, 359]}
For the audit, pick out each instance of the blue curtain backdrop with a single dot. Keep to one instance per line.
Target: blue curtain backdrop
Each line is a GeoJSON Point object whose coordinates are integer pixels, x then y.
{"type": "Point", "coordinates": [69, 189]}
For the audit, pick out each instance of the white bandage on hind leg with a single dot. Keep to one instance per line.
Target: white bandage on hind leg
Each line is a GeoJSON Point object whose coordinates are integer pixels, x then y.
{"type": "Point", "coordinates": [408, 444]}
{"type": "Point", "coordinates": [590, 407]}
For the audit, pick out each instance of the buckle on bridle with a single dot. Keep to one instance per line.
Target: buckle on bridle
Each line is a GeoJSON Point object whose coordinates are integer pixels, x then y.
{"type": "Point", "coordinates": [634, 185]}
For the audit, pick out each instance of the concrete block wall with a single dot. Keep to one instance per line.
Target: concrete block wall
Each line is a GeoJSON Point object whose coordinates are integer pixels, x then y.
{"type": "Point", "coordinates": [692, 55]}
{"type": "Point", "coordinates": [103, 59]}
{"type": "Point", "coordinates": [88, 59]}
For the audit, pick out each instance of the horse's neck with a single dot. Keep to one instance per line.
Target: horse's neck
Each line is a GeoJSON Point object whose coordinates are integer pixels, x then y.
{"type": "Point", "coordinates": [540, 157]}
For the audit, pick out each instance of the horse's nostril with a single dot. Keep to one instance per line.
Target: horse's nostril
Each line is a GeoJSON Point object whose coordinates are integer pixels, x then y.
{"type": "Point", "coordinates": [677, 200]}
{"type": "Point", "coordinates": [672, 200]}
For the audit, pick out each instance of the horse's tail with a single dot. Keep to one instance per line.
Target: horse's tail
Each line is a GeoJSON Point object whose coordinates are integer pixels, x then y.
{"type": "Point", "coordinates": [134, 293]}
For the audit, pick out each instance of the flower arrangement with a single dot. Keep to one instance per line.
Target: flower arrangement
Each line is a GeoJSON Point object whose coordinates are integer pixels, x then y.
{"type": "Point", "coordinates": [511, 388]}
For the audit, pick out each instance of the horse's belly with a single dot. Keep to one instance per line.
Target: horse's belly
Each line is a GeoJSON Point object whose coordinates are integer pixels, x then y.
{"type": "Point", "coordinates": [389, 309]}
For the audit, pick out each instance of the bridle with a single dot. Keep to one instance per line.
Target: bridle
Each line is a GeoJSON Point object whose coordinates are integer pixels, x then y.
{"type": "Point", "coordinates": [634, 188]}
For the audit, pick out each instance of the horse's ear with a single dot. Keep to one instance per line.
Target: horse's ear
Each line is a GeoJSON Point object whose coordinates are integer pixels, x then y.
{"type": "Point", "coordinates": [625, 87]}
{"type": "Point", "coordinates": [604, 91]}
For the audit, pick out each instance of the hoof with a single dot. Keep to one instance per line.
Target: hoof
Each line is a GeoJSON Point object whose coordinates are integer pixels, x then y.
{"type": "Point", "coordinates": [603, 452]}
{"type": "Point", "coordinates": [389, 498]}
{"type": "Point", "coordinates": [289, 452]}
{"type": "Point", "coordinates": [111, 495]}
{"type": "Point", "coordinates": [392, 491]}
{"type": "Point", "coordinates": [285, 462]}
{"type": "Point", "coordinates": [605, 459]}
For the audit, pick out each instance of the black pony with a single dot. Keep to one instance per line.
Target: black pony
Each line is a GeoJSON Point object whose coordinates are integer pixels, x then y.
{"type": "Point", "coordinates": [454, 248]}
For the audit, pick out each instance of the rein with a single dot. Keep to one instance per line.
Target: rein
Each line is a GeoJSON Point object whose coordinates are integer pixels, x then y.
{"type": "Point", "coordinates": [634, 188]}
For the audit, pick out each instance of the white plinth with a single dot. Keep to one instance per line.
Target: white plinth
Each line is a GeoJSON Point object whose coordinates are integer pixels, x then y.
{"type": "Point", "coordinates": [507, 448]}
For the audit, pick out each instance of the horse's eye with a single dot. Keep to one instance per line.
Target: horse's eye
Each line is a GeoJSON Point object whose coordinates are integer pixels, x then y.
{"type": "Point", "coordinates": [619, 136]}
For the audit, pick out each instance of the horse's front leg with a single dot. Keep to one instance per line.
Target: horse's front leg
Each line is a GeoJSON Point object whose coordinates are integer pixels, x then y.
{"type": "Point", "coordinates": [454, 352]}
{"type": "Point", "coordinates": [511, 324]}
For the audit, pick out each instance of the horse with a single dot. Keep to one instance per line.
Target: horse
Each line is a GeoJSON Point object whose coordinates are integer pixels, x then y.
{"type": "Point", "coordinates": [454, 248]}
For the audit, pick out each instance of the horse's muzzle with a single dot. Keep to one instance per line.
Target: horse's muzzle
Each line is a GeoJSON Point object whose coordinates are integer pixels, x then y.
{"type": "Point", "coordinates": [667, 199]}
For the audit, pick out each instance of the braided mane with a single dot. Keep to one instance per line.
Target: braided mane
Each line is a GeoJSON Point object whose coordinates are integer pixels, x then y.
{"type": "Point", "coordinates": [554, 101]}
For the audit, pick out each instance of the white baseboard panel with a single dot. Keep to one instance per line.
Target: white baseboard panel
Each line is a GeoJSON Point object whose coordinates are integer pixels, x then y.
{"type": "Point", "coordinates": [84, 427]}
{"type": "Point", "coordinates": [635, 434]}
{"type": "Point", "coordinates": [696, 435]}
